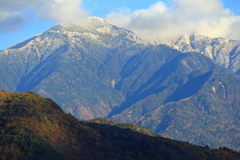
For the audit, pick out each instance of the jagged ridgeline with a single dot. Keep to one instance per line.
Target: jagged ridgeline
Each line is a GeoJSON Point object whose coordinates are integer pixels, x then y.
{"type": "Point", "coordinates": [224, 52]}
{"type": "Point", "coordinates": [94, 69]}
{"type": "Point", "coordinates": [36, 128]}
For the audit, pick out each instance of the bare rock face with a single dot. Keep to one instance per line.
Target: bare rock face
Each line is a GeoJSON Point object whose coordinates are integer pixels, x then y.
{"type": "Point", "coordinates": [223, 51]}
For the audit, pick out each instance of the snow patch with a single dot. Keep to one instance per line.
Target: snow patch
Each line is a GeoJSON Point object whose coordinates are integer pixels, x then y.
{"type": "Point", "coordinates": [213, 89]}
{"type": "Point", "coordinates": [105, 30]}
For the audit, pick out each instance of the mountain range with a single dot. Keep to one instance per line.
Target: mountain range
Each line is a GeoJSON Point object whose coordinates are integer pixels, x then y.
{"type": "Point", "coordinates": [95, 69]}
{"type": "Point", "coordinates": [36, 128]}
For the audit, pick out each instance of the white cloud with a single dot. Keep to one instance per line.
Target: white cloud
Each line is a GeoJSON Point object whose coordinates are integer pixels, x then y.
{"type": "Point", "coordinates": [16, 12]}
{"type": "Point", "coordinates": [61, 10]}
{"type": "Point", "coordinates": [207, 17]}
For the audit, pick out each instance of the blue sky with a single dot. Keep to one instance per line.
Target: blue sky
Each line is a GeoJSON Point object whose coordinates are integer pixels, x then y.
{"type": "Point", "coordinates": [22, 19]}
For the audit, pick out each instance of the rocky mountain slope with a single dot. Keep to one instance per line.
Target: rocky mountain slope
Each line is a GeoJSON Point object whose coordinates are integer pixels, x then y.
{"type": "Point", "coordinates": [35, 128]}
{"type": "Point", "coordinates": [94, 69]}
{"type": "Point", "coordinates": [67, 64]}
{"type": "Point", "coordinates": [223, 51]}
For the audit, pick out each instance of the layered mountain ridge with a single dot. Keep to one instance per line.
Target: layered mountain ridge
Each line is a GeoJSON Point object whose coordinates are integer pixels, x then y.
{"type": "Point", "coordinates": [94, 69]}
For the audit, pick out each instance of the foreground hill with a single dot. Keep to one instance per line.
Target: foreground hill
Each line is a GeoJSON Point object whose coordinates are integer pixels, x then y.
{"type": "Point", "coordinates": [35, 128]}
{"type": "Point", "coordinates": [94, 69]}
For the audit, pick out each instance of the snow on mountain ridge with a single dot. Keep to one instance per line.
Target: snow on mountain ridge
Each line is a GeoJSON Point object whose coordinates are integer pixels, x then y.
{"type": "Point", "coordinates": [223, 51]}
{"type": "Point", "coordinates": [90, 24]}
{"type": "Point", "coordinates": [92, 27]}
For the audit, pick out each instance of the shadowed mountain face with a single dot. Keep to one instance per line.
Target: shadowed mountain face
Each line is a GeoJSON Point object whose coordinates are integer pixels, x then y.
{"type": "Point", "coordinates": [94, 69]}
{"type": "Point", "coordinates": [35, 128]}
{"type": "Point", "coordinates": [184, 96]}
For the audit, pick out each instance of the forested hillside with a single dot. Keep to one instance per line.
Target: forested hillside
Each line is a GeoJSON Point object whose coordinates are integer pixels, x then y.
{"type": "Point", "coordinates": [33, 127]}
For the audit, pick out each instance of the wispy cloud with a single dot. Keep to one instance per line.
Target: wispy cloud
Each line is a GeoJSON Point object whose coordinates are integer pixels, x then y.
{"type": "Point", "coordinates": [12, 22]}
{"type": "Point", "coordinates": [183, 17]}
{"type": "Point", "coordinates": [14, 14]}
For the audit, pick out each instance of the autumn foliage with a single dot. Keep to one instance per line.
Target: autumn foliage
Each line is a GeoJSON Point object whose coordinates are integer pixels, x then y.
{"type": "Point", "coordinates": [35, 128]}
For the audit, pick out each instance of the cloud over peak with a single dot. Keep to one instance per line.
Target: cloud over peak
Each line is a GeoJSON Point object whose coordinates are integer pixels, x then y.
{"type": "Point", "coordinates": [182, 17]}
{"type": "Point", "coordinates": [61, 10]}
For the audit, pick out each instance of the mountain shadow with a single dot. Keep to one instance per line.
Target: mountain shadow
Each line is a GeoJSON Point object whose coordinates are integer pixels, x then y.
{"type": "Point", "coordinates": [40, 72]}
{"type": "Point", "coordinates": [189, 88]}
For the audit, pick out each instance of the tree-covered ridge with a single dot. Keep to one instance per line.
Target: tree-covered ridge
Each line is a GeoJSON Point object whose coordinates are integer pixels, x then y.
{"type": "Point", "coordinates": [33, 127]}
{"type": "Point", "coordinates": [126, 125]}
